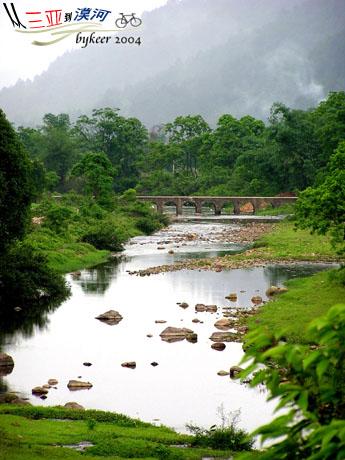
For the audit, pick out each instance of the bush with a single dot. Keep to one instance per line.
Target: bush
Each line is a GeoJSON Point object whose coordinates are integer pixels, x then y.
{"type": "Point", "coordinates": [104, 236]}
{"type": "Point", "coordinates": [226, 436]}
{"type": "Point", "coordinates": [309, 385]}
{"type": "Point", "coordinates": [147, 225]}
{"type": "Point", "coordinates": [26, 279]}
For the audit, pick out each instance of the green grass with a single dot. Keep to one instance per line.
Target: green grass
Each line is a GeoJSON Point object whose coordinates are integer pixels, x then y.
{"type": "Point", "coordinates": [307, 299]}
{"type": "Point", "coordinates": [281, 210]}
{"type": "Point", "coordinates": [285, 242]}
{"type": "Point", "coordinates": [63, 253]}
{"type": "Point", "coordinates": [25, 438]}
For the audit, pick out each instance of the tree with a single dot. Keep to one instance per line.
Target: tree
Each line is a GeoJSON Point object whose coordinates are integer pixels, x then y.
{"type": "Point", "coordinates": [123, 140]}
{"type": "Point", "coordinates": [185, 139]}
{"type": "Point", "coordinates": [15, 186]}
{"type": "Point", "coordinates": [60, 151]}
{"type": "Point", "coordinates": [97, 173]}
{"type": "Point", "coordinates": [297, 153]}
{"type": "Point", "coordinates": [329, 120]}
{"type": "Point", "coordinates": [322, 209]}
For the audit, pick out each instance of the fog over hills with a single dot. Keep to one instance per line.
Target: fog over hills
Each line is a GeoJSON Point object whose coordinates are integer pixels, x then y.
{"type": "Point", "coordinates": [198, 56]}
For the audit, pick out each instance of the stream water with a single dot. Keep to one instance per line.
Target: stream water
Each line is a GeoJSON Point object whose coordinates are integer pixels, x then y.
{"type": "Point", "coordinates": [184, 387]}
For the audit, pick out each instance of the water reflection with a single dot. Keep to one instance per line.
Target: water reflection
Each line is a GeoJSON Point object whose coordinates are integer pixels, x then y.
{"type": "Point", "coordinates": [97, 280]}
{"type": "Point", "coordinates": [277, 274]}
{"type": "Point", "coordinates": [27, 321]}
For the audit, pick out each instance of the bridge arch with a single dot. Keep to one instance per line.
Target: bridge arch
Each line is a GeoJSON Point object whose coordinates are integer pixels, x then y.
{"type": "Point", "coordinates": [217, 203]}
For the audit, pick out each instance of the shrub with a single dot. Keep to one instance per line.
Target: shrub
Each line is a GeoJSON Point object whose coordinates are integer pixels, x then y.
{"type": "Point", "coordinates": [104, 236]}
{"type": "Point", "coordinates": [25, 278]}
{"type": "Point", "coordinates": [226, 436]}
{"type": "Point", "coordinates": [309, 384]}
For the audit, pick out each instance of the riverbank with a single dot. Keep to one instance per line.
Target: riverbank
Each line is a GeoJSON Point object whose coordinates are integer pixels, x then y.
{"type": "Point", "coordinates": [29, 433]}
{"type": "Point", "coordinates": [75, 233]}
{"type": "Point", "coordinates": [306, 299]}
{"type": "Point", "coordinates": [277, 243]}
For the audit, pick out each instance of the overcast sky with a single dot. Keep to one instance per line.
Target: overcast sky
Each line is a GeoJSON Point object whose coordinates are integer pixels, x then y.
{"type": "Point", "coordinates": [20, 59]}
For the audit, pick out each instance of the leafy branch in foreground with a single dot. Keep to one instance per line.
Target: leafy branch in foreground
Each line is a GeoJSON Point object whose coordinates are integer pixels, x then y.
{"type": "Point", "coordinates": [308, 383]}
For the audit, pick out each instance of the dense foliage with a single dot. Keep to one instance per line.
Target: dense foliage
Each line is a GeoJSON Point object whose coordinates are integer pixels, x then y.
{"type": "Point", "coordinates": [15, 186]}
{"type": "Point", "coordinates": [322, 208]}
{"type": "Point", "coordinates": [24, 275]}
{"type": "Point", "coordinates": [308, 384]}
{"type": "Point", "coordinates": [186, 156]}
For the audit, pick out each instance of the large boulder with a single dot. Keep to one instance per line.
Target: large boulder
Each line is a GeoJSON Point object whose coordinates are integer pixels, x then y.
{"type": "Point", "coordinates": [110, 317]}
{"type": "Point", "coordinates": [175, 334]}
{"type": "Point", "coordinates": [6, 364]}
{"type": "Point", "coordinates": [78, 385]}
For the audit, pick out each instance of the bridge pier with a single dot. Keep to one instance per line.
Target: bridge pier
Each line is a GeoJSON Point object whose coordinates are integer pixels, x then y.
{"type": "Point", "coordinates": [198, 206]}
{"type": "Point", "coordinates": [179, 205]}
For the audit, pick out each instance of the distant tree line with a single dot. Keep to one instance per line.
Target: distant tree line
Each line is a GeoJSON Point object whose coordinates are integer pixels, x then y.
{"type": "Point", "coordinates": [238, 157]}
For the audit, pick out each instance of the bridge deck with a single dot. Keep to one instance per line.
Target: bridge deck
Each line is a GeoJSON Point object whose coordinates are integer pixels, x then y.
{"type": "Point", "coordinates": [217, 201]}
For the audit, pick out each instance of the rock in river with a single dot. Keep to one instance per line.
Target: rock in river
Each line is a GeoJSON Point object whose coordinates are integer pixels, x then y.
{"type": "Point", "coordinates": [110, 317]}
{"type": "Point", "coordinates": [184, 305]}
{"type": "Point", "coordinates": [39, 391]}
{"type": "Point", "coordinates": [78, 385]}
{"type": "Point", "coordinates": [223, 373]}
{"type": "Point", "coordinates": [175, 334]}
{"type": "Point", "coordinates": [225, 337]}
{"type": "Point", "coordinates": [273, 290]}
{"type": "Point", "coordinates": [234, 371]}
{"type": "Point", "coordinates": [224, 324]}
{"type": "Point", "coordinates": [257, 299]}
{"type": "Point", "coordinates": [232, 297]}
{"type": "Point", "coordinates": [129, 364]}
{"type": "Point", "coordinates": [219, 346]}
{"type": "Point", "coordinates": [6, 364]}
{"type": "Point", "coordinates": [74, 405]}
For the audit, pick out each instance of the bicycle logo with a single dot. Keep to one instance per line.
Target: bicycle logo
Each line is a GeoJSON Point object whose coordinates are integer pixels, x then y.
{"type": "Point", "coordinates": [127, 19]}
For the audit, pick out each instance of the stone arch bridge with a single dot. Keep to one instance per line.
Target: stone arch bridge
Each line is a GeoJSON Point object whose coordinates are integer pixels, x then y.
{"type": "Point", "coordinates": [218, 202]}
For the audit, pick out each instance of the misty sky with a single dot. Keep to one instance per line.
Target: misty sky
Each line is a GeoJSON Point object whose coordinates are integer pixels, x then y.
{"type": "Point", "coordinates": [21, 59]}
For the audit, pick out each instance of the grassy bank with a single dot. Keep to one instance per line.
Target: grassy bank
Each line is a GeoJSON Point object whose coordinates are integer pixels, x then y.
{"type": "Point", "coordinates": [74, 232]}
{"type": "Point", "coordinates": [306, 299]}
{"type": "Point", "coordinates": [29, 433]}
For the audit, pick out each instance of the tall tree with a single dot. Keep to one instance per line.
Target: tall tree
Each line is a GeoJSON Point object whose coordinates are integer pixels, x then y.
{"type": "Point", "coordinates": [123, 140]}
{"type": "Point", "coordinates": [15, 185]}
{"type": "Point", "coordinates": [185, 137]}
{"type": "Point", "coordinates": [60, 149]}
{"type": "Point", "coordinates": [97, 173]}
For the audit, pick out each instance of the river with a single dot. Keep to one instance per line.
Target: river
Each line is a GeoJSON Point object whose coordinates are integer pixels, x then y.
{"type": "Point", "coordinates": [184, 387]}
